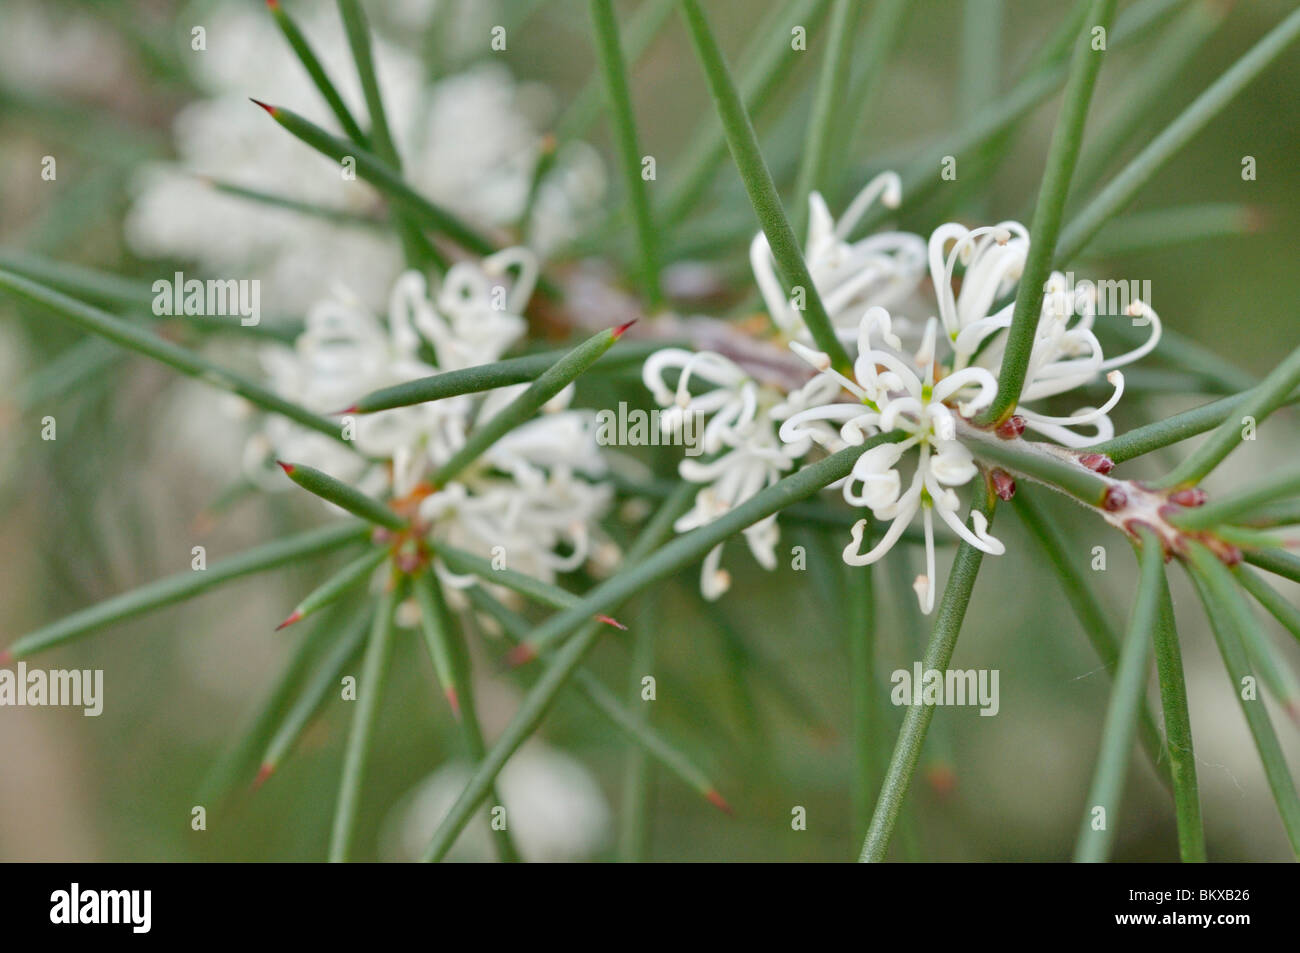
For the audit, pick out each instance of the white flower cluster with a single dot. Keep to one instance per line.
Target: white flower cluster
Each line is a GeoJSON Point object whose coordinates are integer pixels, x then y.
{"type": "Point", "coordinates": [470, 141]}
{"type": "Point", "coordinates": [915, 377]}
{"type": "Point", "coordinates": [538, 493]}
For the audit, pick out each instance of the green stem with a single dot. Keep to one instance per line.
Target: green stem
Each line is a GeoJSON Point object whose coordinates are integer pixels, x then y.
{"type": "Point", "coordinates": [743, 143]}
{"type": "Point", "coordinates": [1126, 697]}
{"type": "Point", "coordinates": [184, 585]}
{"type": "Point", "coordinates": [1062, 154]}
{"type": "Point", "coordinates": [1034, 460]}
{"type": "Point", "coordinates": [916, 720]}
{"type": "Point", "coordinates": [614, 67]}
{"type": "Point", "coordinates": [1124, 187]}
{"type": "Point", "coordinates": [865, 691]}
{"type": "Point", "coordinates": [370, 688]}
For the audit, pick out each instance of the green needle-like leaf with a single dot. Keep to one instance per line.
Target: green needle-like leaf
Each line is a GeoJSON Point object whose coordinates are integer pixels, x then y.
{"type": "Point", "coordinates": [1124, 187]}
{"type": "Point", "coordinates": [828, 106]}
{"type": "Point", "coordinates": [1093, 618]}
{"type": "Point", "coordinates": [1270, 394]}
{"type": "Point", "coordinates": [1101, 811]}
{"type": "Point", "coordinates": [323, 681]}
{"type": "Point", "coordinates": [184, 585]}
{"type": "Point", "coordinates": [916, 719]}
{"type": "Point", "coordinates": [95, 321]}
{"type": "Point", "coordinates": [437, 638]}
{"type": "Point", "coordinates": [1148, 89]}
{"type": "Point", "coordinates": [342, 495]}
{"type": "Point", "coordinates": [743, 143]}
{"type": "Point", "coordinates": [370, 689]}
{"type": "Point", "coordinates": [603, 700]}
{"type": "Point", "coordinates": [614, 68]}
{"type": "Point", "coordinates": [484, 377]}
{"type": "Point", "coordinates": [1270, 599]}
{"type": "Point", "coordinates": [339, 216]}
{"type": "Point", "coordinates": [1286, 483]}
{"type": "Point", "coordinates": [1178, 732]}
{"type": "Point", "coordinates": [768, 62]}
{"type": "Point", "coordinates": [524, 407]}
{"type": "Point", "coordinates": [1275, 561]}
{"type": "Point", "coordinates": [1173, 429]}
{"type": "Point", "coordinates": [1143, 232]}
{"type": "Point", "coordinates": [1227, 612]}
{"type": "Point", "coordinates": [385, 178]}
{"type": "Point", "coordinates": [1062, 154]}
{"type": "Point", "coordinates": [316, 71]}
{"type": "Point", "coordinates": [538, 701]}
{"type": "Point", "coordinates": [336, 585]}
{"type": "Point", "coordinates": [239, 764]}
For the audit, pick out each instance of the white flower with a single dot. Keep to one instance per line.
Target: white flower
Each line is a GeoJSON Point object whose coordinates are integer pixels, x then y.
{"type": "Point", "coordinates": [892, 397]}
{"type": "Point", "coordinates": [880, 270]}
{"type": "Point", "coordinates": [740, 420]}
{"type": "Point", "coordinates": [536, 495]}
{"type": "Point", "coordinates": [1065, 355]}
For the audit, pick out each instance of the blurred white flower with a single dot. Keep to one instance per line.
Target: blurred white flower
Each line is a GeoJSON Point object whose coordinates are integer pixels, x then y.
{"type": "Point", "coordinates": [555, 811]}
{"type": "Point", "coordinates": [58, 50]}
{"type": "Point", "coordinates": [470, 143]}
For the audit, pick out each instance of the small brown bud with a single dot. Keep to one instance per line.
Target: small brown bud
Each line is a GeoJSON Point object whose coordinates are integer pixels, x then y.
{"type": "Point", "coordinates": [1098, 462]}
{"type": "Point", "coordinates": [1004, 484]}
{"type": "Point", "coordinates": [1011, 428]}
{"type": "Point", "coordinates": [1192, 496]}
{"type": "Point", "coordinates": [1114, 500]}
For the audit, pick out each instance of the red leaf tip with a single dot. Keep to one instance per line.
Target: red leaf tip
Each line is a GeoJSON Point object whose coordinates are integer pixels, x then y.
{"type": "Point", "coordinates": [610, 620]}
{"type": "Point", "coordinates": [264, 772]}
{"type": "Point", "coordinates": [271, 110]}
{"type": "Point", "coordinates": [273, 4]}
{"type": "Point", "coordinates": [6, 657]}
{"type": "Point", "coordinates": [289, 621]}
{"type": "Point", "coordinates": [521, 654]}
{"type": "Point", "coordinates": [454, 701]}
{"type": "Point", "coordinates": [347, 410]}
{"type": "Point", "coordinates": [618, 331]}
{"type": "Point", "coordinates": [288, 468]}
{"type": "Point", "coordinates": [717, 801]}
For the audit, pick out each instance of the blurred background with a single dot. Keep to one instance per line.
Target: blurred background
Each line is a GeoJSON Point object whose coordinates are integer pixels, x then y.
{"type": "Point", "coordinates": [756, 690]}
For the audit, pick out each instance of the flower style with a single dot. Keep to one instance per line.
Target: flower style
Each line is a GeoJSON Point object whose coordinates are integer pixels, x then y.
{"type": "Point", "coordinates": [880, 270]}
{"type": "Point", "coordinates": [893, 398]}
